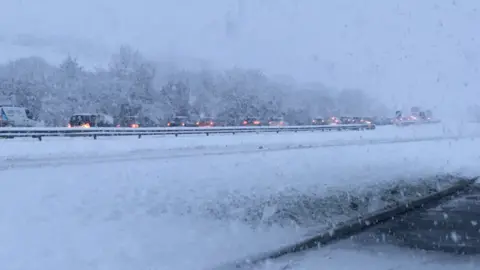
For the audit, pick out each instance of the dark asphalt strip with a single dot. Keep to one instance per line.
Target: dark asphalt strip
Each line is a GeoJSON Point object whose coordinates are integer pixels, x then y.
{"type": "Point", "coordinates": [357, 225]}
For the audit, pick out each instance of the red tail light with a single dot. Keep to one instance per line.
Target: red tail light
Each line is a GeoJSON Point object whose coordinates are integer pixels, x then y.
{"type": "Point", "coordinates": [245, 122]}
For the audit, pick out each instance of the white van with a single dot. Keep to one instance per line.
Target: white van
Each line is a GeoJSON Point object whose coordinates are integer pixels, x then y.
{"type": "Point", "coordinates": [13, 116]}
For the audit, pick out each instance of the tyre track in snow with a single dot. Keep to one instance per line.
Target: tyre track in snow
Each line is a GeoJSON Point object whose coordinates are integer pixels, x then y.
{"type": "Point", "coordinates": [13, 163]}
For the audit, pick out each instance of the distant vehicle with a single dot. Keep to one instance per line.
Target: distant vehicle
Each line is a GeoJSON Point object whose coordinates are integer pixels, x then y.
{"type": "Point", "coordinates": [277, 121]}
{"type": "Point", "coordinates": [360, 120]}
{"type": "Point", "coordinates": [419, 119]}
{"type": "Point", "coordinates": [251, 121]}
{"type": "Point", "coordinates": [366, 120]}
{"type": "Point", "coordinates": [88, 120]}
{"type": "Point", "coordinates": [333, 121]}
{"type": "Point", "coordinates": [381, 121]}
{"type": "Point", "coordinates": [398, 114]}
{"type": "Point", "coordinates": [180, 121]}
{"type": "Point", "coordinates": [14, 116]}
{"type": "Point", "coordinates": [206, 122]}
{"type": "Point", "coordinates": [429, 114]}
{"type": "Point", "coordinates": [319, 121]}
{"type": "Point", "coordinates": [415, 111]}
{"type": "Point", "coordinates": [346, 120]}
{"type": "Point", "coordinates": [129, 121]}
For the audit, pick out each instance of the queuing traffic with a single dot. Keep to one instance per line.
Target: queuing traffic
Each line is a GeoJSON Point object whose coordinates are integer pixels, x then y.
{"type": "Point", "coordinates": [14, 116]}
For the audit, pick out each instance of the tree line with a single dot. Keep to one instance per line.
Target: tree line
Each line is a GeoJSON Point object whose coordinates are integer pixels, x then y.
{"type": "Point", "coordinates": [132, 84]}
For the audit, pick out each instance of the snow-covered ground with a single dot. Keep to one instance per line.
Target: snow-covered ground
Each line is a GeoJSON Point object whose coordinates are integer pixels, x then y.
{"type": "Point", "coordinates": [187, 203]}
{"type": "Point", "coordinates": [54, 147]}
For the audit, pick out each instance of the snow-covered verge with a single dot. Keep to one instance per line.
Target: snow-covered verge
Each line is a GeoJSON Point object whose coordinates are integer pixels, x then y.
{"type": "Point", "coordinates": [60, 148]}
{"type": "Point", "coordinates": [192, 212]}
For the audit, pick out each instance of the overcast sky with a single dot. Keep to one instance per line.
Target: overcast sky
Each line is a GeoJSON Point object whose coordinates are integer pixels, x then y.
{"type": "Point", "coordinates": [404, 51]}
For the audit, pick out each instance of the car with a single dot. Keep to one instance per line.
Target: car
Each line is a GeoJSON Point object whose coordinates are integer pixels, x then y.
{"type": "Point", "coordinates": [205, 122]}
{"type": "Point", "coordinates": [129, 121]}
{"type": "Point", "coordinates": [180, 121]}
{"type": "Point", "coordinates": [277, 121]}
{"type": "Point", "coordinates": [319, 121]}
{"type": "Point", "coordinates": [382, 121]}
{"type": "Point", "coordinates": [366, 120]}
{"type": "Point", "coordinates": [87, 120]}
{"type": "Point", "coordinates": [252, 121]}
{"type": "Point", "coordinates": [347, 120]}
{"type": "Point", "coordinates": [334, 120]}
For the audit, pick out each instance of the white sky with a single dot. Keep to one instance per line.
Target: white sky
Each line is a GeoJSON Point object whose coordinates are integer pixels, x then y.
{"type": "Point", "coordinates": [404, 51]}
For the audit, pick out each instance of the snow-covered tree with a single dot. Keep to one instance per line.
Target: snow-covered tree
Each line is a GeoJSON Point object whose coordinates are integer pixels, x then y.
{"type": "Point", "coordinates": [153, 91]}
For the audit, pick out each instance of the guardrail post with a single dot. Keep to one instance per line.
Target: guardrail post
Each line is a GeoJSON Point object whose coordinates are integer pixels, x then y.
{"type": "Point", "coordinates": [176, 134]}
{"type": "Point", "coordinates": [94, 136]}
{"type": "Point", "coordinates": [139, 136]}
{"type": "Point", "coordinates": [207, 133]}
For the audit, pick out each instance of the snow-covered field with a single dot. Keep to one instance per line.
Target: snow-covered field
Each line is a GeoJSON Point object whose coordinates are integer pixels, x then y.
{"type": "Point", "coordinates": [194, 202]}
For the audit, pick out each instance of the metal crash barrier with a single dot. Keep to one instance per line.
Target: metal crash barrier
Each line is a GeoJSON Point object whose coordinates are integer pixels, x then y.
{"type": "Point", "coordinates": [139, 132]}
